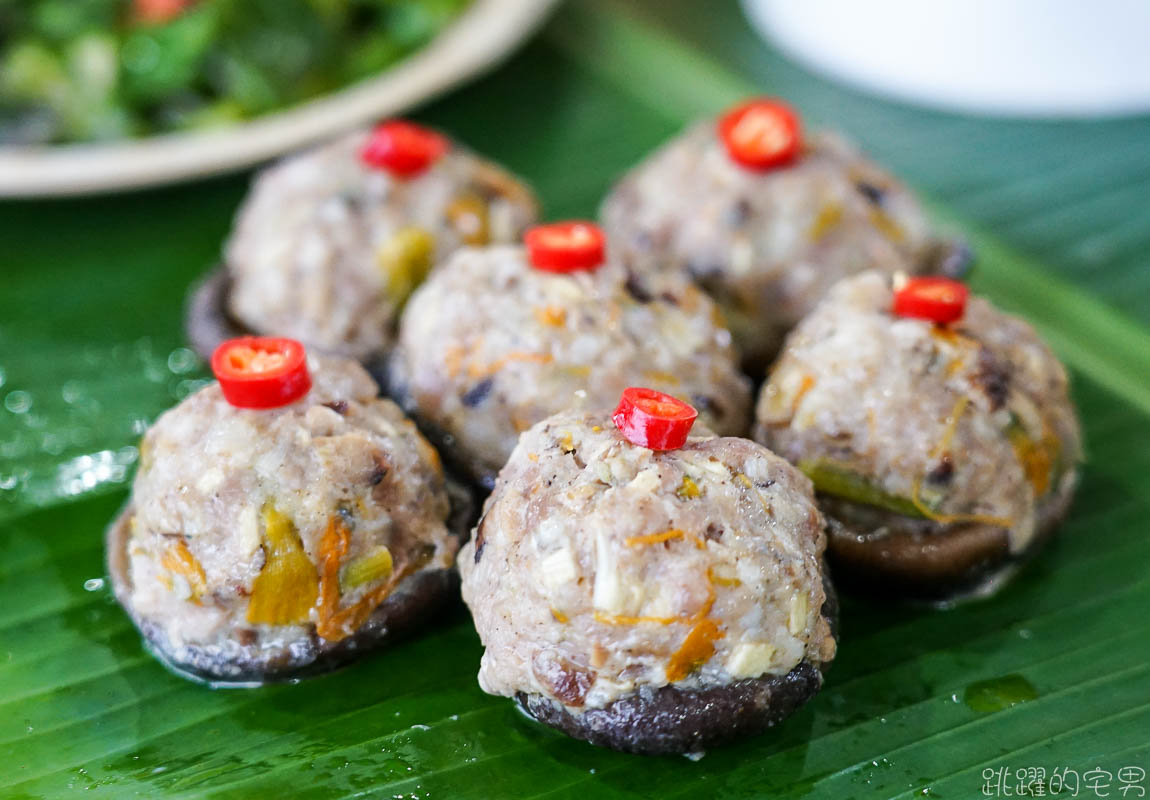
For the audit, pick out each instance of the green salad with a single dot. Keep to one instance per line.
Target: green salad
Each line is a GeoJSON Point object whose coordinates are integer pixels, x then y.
{"type": "Point", "coordinates": [94, 70]}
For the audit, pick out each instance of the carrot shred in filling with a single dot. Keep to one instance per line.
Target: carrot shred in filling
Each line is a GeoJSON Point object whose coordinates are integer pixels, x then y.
{"type": "Point", "coordinates": [619, 619]}
{"type": "Point", "coordinates": [696, 649]}
{"type": "Point", "coordinates": [555, 316]}
{"type": "Point", "coordinates": [655, 538]}
{"type": "Point", "coordinates": [179, 559]}
{"type": "Point", "coordinates": [482, 371]}
{"type": "Point", "coordinates": [699, 645]}
{"type": "Point", "coordinates": [285, 590]}
{"type": "Point", "coordinates": [805, 386]}
{"type": "Point", "coordinates": [334, 623]}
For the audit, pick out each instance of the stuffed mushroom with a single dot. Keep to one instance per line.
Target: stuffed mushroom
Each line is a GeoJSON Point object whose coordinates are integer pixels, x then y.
{"type": "Point", "coordinates": [283, 520]}
{"type": "Point", "coordinates": [938, 432]}
{"type": "Point", "coordinates": [502, 337]}
{"type": "Point", "coordinates": [766, 220]}
{"type": "Point", "coordinates": [330, 242]}
{"type": "Point", "coordinates": [646, 589]}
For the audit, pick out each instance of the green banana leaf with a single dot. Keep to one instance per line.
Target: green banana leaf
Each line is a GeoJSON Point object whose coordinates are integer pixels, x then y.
{"type": "Point", "coordinates": [1053, 673]}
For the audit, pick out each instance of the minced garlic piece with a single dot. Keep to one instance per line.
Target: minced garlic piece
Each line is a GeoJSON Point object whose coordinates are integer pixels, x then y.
{"type": "Point", "coordinates": [798, 620]}
{"type": "Point", "coordinates": [750, 659]}
{"type": "Point", "coordinates": [558, 568]}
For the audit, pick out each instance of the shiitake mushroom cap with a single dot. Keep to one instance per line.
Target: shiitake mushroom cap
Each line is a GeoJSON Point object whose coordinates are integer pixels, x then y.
{"type": "Point", "coordinates": [674, 720]}
{"type": "Point", "coordinates": [417, 599]}
{"type": "Point", "coordinates": [883, 552]}
{"type": "Point", "coordinates": [208, 322]}
{"type": "Point", "coordinates": [671, 719]}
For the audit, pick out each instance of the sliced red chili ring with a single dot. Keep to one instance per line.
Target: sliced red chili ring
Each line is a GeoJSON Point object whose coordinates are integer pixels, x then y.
{"type": "Point", "coordinates": [261, 371]}
{"type": "Point", "coordinates": [939, 300]}
{"type": "Point", "coordinates": [653, 419]}
{"type": "Point", "coordinates": [403, 148]}
{"type": "Point", "coordinates": [566, 246]}
{"type": "Point", "coordinates": [157, 12]}
{"type": "Point", "coordinates": [761, 134]}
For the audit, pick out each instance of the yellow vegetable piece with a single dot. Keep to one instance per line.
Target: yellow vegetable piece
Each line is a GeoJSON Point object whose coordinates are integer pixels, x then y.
{"type": "Point", "coordinates": [405, 260]}
{"type": "Point", "coordinates": [886, 224]}
{"type": "Point", "coordinates": [1037, 457]}
{"type": "Point", "coordinates": [828, 217]}
{"type": "Point", "coordinates": [689, 490]}
{"type": "Point", "coordinates": [375, 566]}
{"type": "Point", "coordinates": [468, 215]}
{"type": "Point", "coordinates": [555, 316]}
{"type": "Point", "coordinates": [287, 587]}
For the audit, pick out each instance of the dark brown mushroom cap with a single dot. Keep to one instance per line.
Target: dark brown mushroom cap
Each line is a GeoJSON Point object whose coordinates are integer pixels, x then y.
{"type": "Point", "coordinates": [415, 601]}
{"type": "Point", "coordinates": [887, 553]}
{"type": "Point", "coordinates": [675, 720]}
{"type": "Point", "coordinates": [672, 719]}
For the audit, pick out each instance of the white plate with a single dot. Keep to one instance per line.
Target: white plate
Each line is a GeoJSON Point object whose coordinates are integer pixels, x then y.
{"type": "Point", "coordinates": [484, 33]}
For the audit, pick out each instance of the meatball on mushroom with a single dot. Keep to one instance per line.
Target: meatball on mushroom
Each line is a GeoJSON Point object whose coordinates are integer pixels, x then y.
{"type": "Point", "coordinates": [646, 589]}
{"type": "Point", "coordinates": [766, 220]}
{"type": "Point", "coordinates": [502, 337]}
{"type": "Point", "coordinates": [938, 432]}
{"type": "Point", "coordinates": [282, 521]}
{"type": "Point", "coordinates": [330, 242]}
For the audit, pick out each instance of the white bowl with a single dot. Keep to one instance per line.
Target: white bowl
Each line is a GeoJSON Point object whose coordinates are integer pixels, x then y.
{"type": "Point", "coordinates": [1073, 58]}
{"type": "Point", "coordinates": [483, 34]}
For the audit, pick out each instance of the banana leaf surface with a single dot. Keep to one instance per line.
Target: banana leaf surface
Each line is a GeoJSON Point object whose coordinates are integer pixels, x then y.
{"type": "Point", "coordinates": [1044, 686]}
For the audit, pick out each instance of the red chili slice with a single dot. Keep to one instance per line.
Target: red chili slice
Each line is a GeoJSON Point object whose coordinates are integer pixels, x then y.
{"type": "Point", "coordinates": [261, 371]}
{"type": "Point", "coordinates": [652, 419]}
{"type": "Point", "coordinates": [565, 246]}
{"type": "Point", "coordinates": [403, 148]}
{"type": "Point", "coordinates": [761, 134]}
{"type": "Point", "coordinates": [939, 300]}
{"type": "Point", "coordinates": [157, 12]}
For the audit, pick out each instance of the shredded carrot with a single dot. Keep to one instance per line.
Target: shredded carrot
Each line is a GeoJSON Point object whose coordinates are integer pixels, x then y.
{"type": "Point", "coordinates": [699, 645]}
{"type": "Point", "coordinates": [333, 546]}
{"type": "Point", "coordinates": [453, 360]}
{"type": "Point", "coordinates": [555, 316]}
{"type": "Point", "coordinates": [335, 623]}
{"type": "Point", "coordinates": [179, 559]}
{"type": "Point", "coordinates": [482, 371]}
{"type": "Point", "coordinates": [696, 649]}
{"type": "Point", "coordinates": [559, 616]}
{"type": "Point", "coordinates": [655, 538]}
{"type": "Point", "coordinates": [805, 386]}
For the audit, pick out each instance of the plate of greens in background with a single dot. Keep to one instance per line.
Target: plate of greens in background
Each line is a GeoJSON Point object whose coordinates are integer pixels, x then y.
{"type": "Point", "coordinates": [111, 94]}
